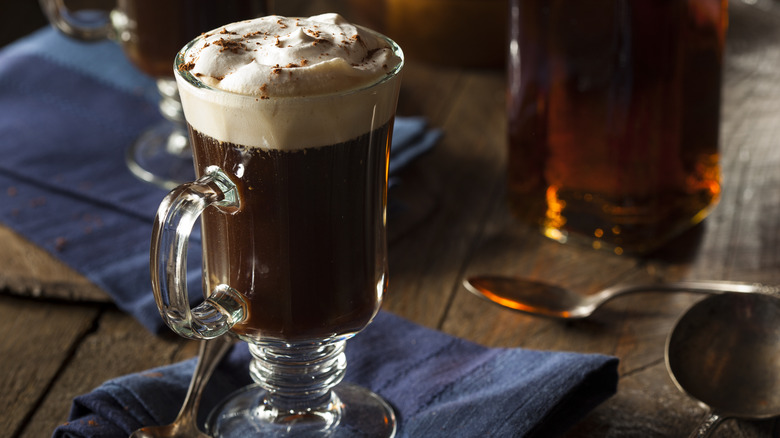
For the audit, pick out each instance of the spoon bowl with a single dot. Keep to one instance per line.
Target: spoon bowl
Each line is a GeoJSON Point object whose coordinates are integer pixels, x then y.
{"type": "Point", "coordinates": [544, 299]}
{"type": "Point", "coordinates": [210, 353]}
{"type": "Point", "coordinates": [725, 352]}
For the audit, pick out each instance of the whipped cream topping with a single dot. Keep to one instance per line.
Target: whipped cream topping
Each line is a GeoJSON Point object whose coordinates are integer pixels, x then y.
{"type": "Point", "coordinates": [289, 83]}
{"type": "Point", "coordinates": [279, 56]}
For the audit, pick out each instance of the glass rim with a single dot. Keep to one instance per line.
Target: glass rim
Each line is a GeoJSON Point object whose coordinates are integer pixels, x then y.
{"type": "Point", "coordinates": [191, 79]}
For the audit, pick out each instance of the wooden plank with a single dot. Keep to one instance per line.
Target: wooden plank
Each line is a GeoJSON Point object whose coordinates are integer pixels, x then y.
{"type": "Point", "coordinates": [118, 346]}
{"type": "Point", "coordinates": [424, 265]}
{"type": "Point", "coordinates": [38, 338]}
{"type": "Point", "coordinates": [28, 270]}
{"type": "Point", "coordinates": [649, 406]}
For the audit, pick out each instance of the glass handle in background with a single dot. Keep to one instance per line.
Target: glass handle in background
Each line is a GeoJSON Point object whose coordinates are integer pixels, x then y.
{"type": "Point", "coordinates": [87, 25]}
{"type": "Point", "coordinates": [177, 214]}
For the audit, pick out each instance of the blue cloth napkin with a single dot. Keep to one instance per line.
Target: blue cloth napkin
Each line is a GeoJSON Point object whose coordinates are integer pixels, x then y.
{"type": "Point", "coordinates": [68, 112]}
{"type": "Point", "coordinates": [439, 386]}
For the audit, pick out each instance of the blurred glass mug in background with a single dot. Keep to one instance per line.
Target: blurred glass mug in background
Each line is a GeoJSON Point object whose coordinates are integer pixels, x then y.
{"type": "Point", "coordinates": [614, 111]}
{"type": "Point", "coordinates": [151, 32]}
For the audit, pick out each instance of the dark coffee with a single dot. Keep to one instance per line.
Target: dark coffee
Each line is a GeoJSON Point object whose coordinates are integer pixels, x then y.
{"type": "Point", "coordinates": [152, 31]}
{"type": "Point", "coordinates": [305, 247]}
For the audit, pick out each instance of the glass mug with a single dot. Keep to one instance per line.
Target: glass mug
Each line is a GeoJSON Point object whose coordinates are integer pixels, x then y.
{"type": "Point", "coordinates": [613, 114]}
{"type": "Point", "coordinates": [294, 250]}
{"type": "Point", "coordinates": [151, 32]}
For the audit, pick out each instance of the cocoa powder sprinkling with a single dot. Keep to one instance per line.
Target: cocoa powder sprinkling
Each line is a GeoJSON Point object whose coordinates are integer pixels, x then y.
{"type": "Point", "coordinates": [233, 46]}
{"type": "Point", "coordinates": [187, 66]}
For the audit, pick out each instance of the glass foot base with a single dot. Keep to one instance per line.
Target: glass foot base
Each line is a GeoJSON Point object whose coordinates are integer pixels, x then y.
{"type": "Point", "coordinates": [162, 156]}
{"type": "Point", "coordinates": [362, 414]}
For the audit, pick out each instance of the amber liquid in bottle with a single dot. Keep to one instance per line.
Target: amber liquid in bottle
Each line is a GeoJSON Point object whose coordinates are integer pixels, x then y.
{"type": "Point", "coordinates": [614, 111]}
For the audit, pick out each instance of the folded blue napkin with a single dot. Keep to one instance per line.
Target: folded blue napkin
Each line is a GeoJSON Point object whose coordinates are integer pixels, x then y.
{"type": "Point", "coordinates": [439, 386]}
{"type": "Point", "coordinates": [68, 112]}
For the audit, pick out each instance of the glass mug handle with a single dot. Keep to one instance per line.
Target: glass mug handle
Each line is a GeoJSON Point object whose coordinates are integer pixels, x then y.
{"type": "Point", "coordinates": [177, 214]}
{"type": "Point", "coordinates": [89, 25]}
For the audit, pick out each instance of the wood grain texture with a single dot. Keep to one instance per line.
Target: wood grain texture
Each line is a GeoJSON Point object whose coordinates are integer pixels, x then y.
{"type": "Point", "coordinates": [28, 270]}
{"type": "Point", "coordinates": [118, 345]}
{"type": "Point", "coordinates": [424, 266]}
{"type": "Point", "coordinates": [38, 341]}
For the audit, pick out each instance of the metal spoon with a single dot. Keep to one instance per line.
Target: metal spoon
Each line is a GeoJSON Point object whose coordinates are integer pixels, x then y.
{"type": "Point", "coordinates": [725, 352]}
{"type": "Point", "coordinates": [553, 301]}
{"type": "Point", "coordinates": [185, 426]}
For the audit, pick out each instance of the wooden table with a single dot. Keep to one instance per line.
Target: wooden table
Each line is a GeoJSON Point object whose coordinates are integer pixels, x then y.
{"type": "Point", "coordinates": [62, 337]}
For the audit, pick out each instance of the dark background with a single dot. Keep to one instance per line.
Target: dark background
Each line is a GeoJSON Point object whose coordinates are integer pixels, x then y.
{"type": "Point", "coordinates": [21, 17]}
{"type": "Point", "coordinates": [18, 18]}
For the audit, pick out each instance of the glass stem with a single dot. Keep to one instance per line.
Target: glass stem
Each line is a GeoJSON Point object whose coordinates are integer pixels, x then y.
{"type": "Point", "coordinates": [298, 381]}
{"type": "Point", "coordinates": [170, 106]}
{"type": "Point", "coordinates": [170, 103]}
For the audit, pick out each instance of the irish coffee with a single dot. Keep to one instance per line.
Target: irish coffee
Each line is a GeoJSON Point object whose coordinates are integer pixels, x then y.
{"type": "Point", "coordinates": [290, 121]}
{"type": "Point", "coordinates": [298, 114]}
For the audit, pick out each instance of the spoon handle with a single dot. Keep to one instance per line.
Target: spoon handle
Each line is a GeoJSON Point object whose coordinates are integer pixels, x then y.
{"type": "Point", "coordinates": [210, 353]}
{"type": "Point", "coordinates": [695, 286]}
{"type": "Point", "coordinates": [708, 425]}
{"type": "Point", "coordinates": [725, 286]}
